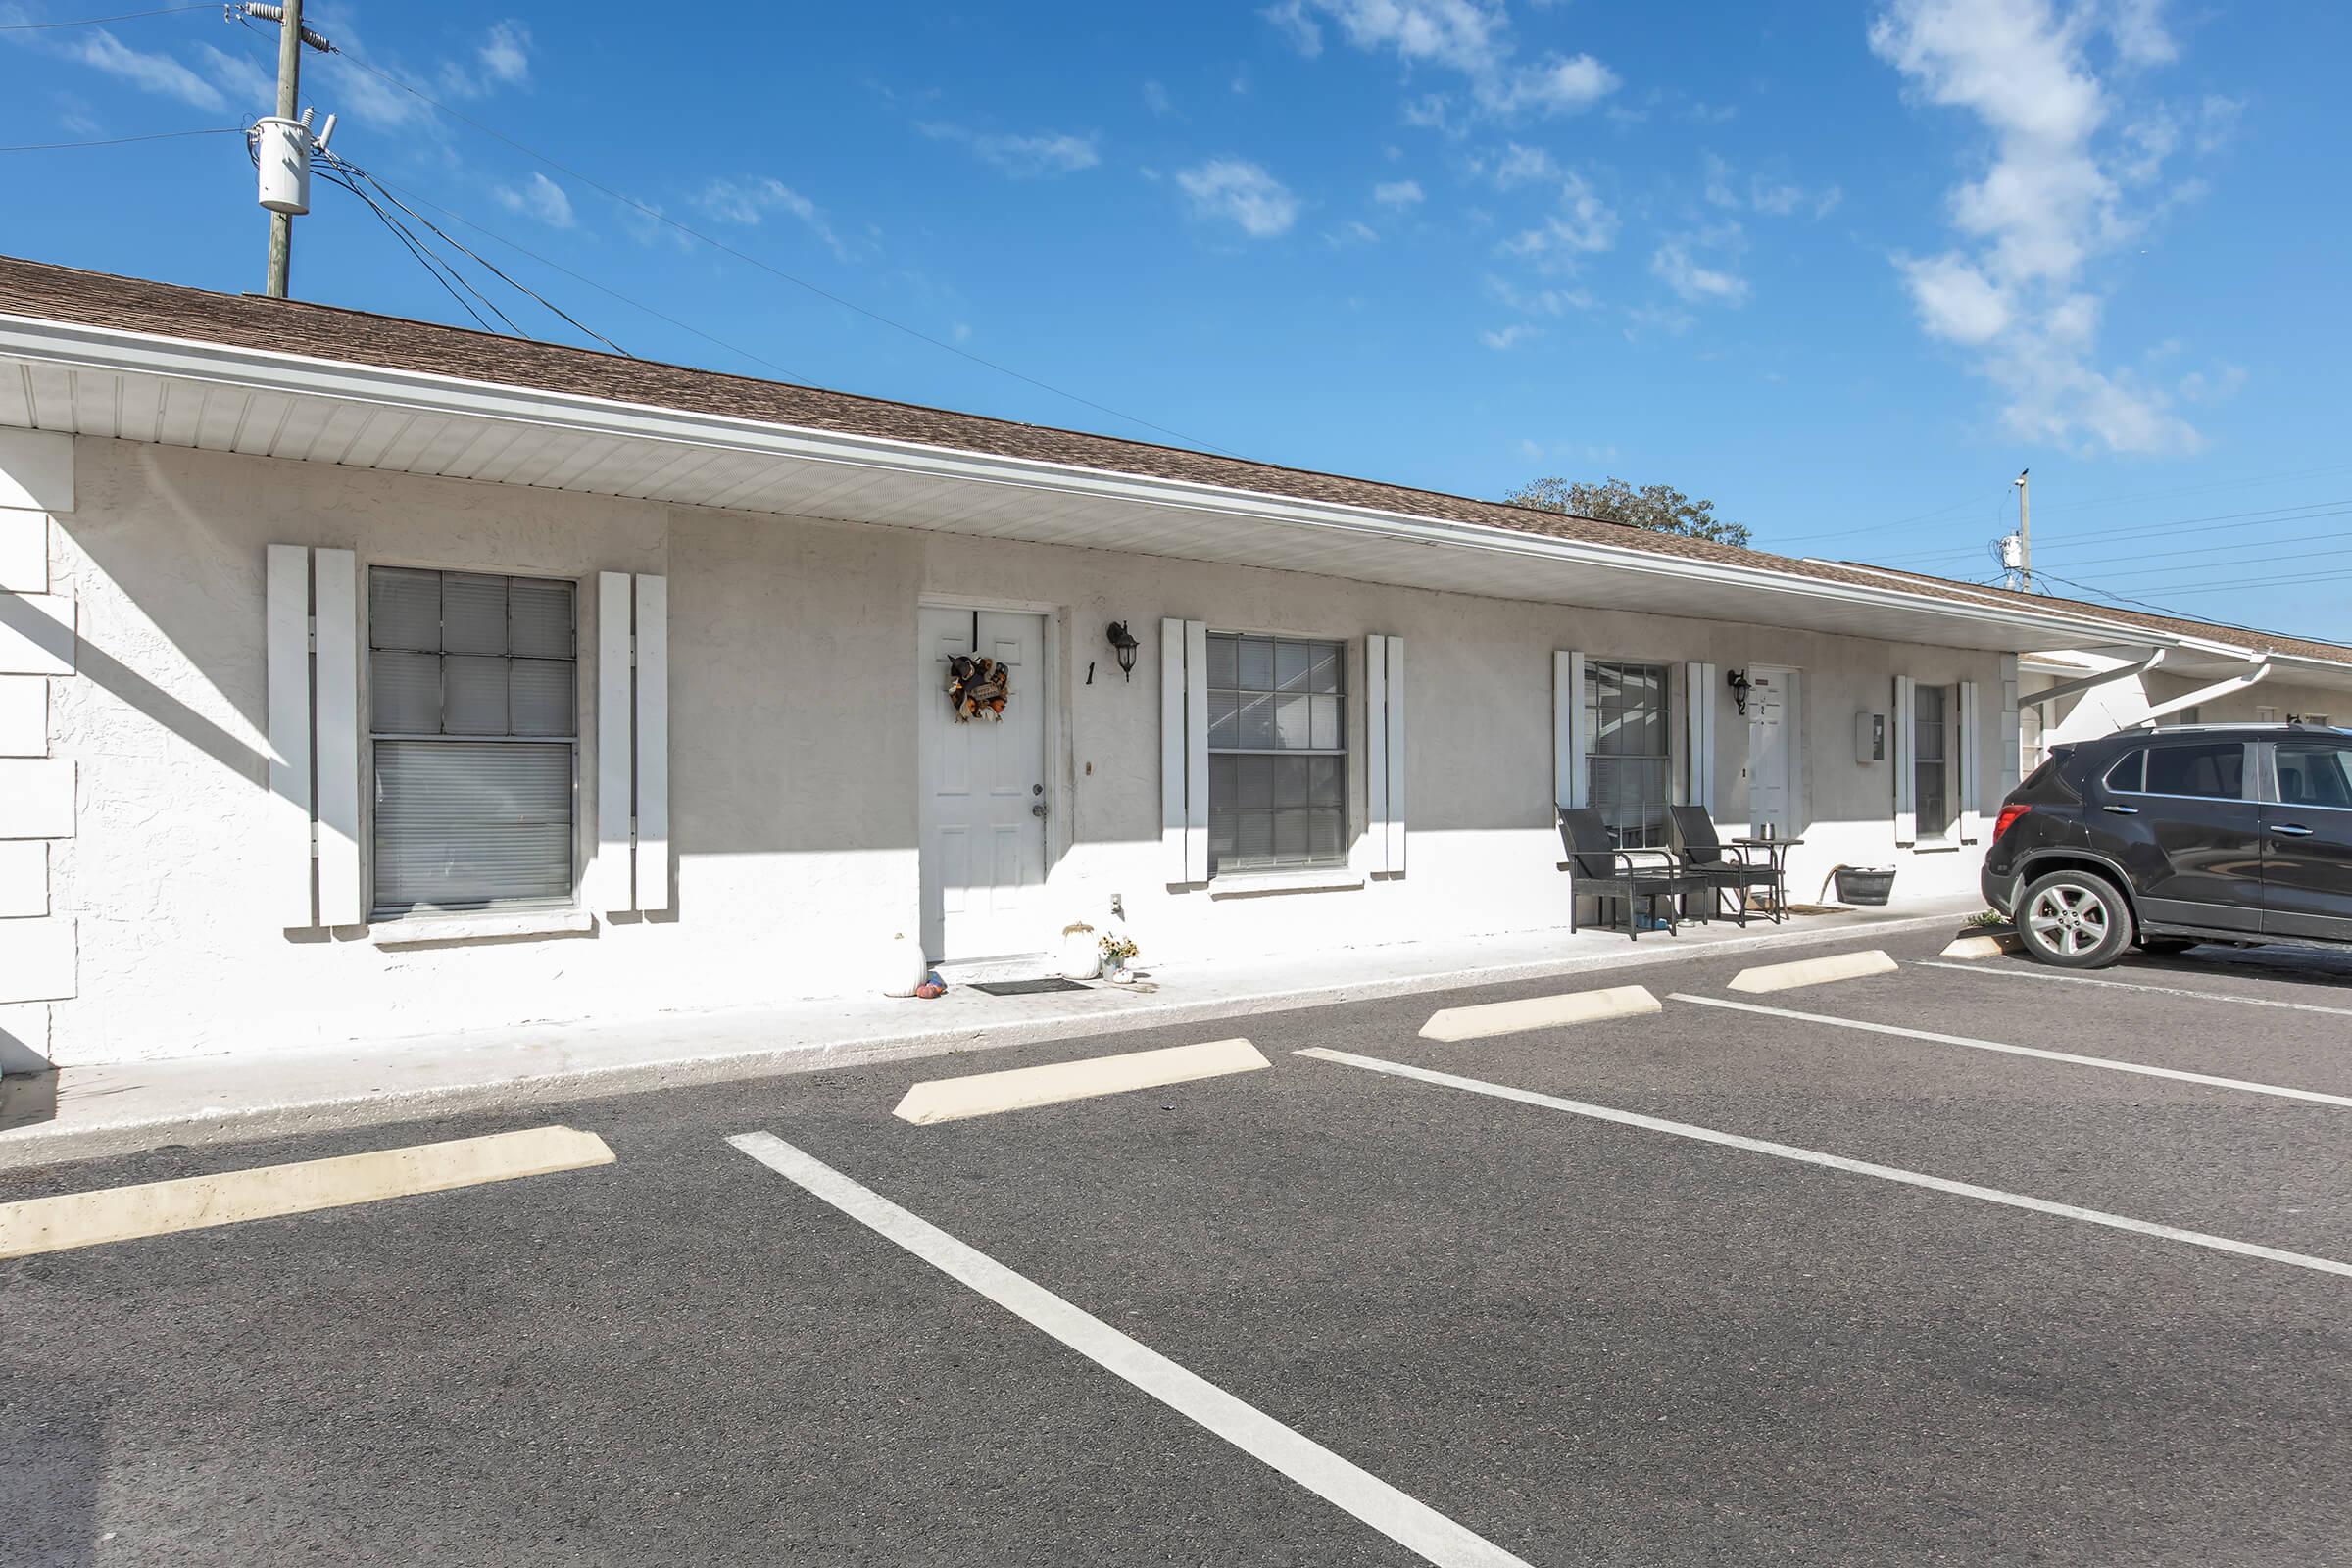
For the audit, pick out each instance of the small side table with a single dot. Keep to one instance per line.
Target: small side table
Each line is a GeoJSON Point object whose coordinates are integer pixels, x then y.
{"type": "Point", "coordinates": [1778, 850]}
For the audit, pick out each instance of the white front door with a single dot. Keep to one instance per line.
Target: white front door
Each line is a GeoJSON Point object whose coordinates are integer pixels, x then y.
{"type": "Point", "coordinates": [984, 791]}
{"type": "Point", "coordinates": [1768, 741]}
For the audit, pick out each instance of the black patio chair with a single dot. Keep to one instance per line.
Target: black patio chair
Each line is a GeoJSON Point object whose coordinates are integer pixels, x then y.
{"type": "Point", "coordinates": [1727, 867]}
{"type": "Point", "coordinates": [1633, 875]}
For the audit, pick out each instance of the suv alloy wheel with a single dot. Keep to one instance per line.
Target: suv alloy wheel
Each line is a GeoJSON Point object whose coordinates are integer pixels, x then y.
{"type": "Point", "coordinates": [2074, 921]}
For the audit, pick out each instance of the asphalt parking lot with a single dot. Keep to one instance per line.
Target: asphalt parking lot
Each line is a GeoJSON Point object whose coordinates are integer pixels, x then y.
{"type": "Point", "coordinates": [1865, 1299]}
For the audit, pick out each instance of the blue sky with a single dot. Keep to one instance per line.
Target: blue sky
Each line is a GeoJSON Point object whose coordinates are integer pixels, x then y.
{"type": "Point", "coordinates": [1845, 274]}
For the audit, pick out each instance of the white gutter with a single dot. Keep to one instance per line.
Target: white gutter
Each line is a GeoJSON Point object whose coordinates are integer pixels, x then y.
{"type": "Point", "coordinates": [2089, 682]}
{"type": "Point", "coordinates": [2206, 694]}
{"type": "Point", "coordinates": [419, 392]}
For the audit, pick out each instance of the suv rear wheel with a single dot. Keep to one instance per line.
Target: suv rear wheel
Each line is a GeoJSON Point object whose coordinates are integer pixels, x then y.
{"type": "Point", "coordinates": [2074, 919]}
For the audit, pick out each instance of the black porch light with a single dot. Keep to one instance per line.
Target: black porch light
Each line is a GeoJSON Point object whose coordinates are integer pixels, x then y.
{"type": "Point", "coordinates": [1123, 643]}
{"type": "Point", "coordinates": [1739, 682]}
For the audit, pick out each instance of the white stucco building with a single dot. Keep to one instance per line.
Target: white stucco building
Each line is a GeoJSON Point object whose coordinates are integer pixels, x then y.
{"type": "Point", "coordinates": [362, 678]}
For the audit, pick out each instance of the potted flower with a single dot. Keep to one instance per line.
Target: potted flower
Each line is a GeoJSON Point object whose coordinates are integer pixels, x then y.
{"type": "Point", "coordinates": [1117, 949]}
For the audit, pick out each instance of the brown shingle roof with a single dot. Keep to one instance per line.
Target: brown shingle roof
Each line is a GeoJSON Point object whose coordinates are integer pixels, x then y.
{"type": "Point", "coordinates": [2234, 636]}
{"type": "Point", "coordinates": [45, 291]}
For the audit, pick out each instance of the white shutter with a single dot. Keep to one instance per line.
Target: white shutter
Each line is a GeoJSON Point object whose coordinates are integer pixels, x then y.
{"type": "Point", "coordinates": [335, 736]}
{"type": "Point", "coordinates": [2012, 737]}
{"type": "Point", "coordinates": [1196, 751]}
{"type": "Point", "coordinates": [1184, 748]}
{"type": "Point", "coordinates": [631, 868]}
{"type": "Point", "coordinates": [1395, 755]}
{"type": "Point", "coordinates": [1970, 830]}
{"type": "Point", "coordinates": [652, 743]}
{"type": "Point", "coordinates": [1569, 742]}
{"type": "Point", "coordinates": [609, 873]}
{"type": "Point", "coordinates": [287, 618]}
{"type": "Point", "coordinates": [1375, 841]}
{"type": "Point", "coordinates": [1172, 751]}
{"type": "Point", "coordinates": [1698, 736]}
{"type": "Point", "coordinates": [1905, 751]}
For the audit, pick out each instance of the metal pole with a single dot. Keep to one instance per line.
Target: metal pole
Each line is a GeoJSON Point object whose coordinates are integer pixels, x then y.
{"type": "Point", "coordinates": [289, 90]}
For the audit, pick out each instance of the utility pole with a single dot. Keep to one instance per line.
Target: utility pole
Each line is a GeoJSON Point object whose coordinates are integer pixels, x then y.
{"type": "Point", "coordinates": [2025, 528]}
{"type": "Point", "coordinates": [289, 92]}
{"type": "Point", "coordinates": [283, 142]}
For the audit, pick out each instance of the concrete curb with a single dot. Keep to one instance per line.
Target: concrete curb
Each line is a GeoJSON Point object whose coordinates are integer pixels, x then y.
{"type": "Point", "coordinates": [48, 1143]}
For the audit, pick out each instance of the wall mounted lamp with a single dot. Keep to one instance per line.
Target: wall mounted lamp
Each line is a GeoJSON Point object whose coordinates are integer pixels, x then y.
{"type": "Point", "coordinates": [1739, 684]}
{"type": "Point", "coordinates": [1123, 643]}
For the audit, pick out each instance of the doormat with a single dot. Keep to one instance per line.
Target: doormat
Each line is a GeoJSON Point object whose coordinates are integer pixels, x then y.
{"type": "Point", "coordinates": [1026, 988]}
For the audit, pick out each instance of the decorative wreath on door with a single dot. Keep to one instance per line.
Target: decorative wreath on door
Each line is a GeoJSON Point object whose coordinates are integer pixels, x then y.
{"type": "Point", "coordinates": [977, 685]}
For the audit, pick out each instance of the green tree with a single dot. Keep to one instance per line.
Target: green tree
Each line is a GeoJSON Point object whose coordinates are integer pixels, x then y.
{"type": "Point", "coordinates": [1659, 507]}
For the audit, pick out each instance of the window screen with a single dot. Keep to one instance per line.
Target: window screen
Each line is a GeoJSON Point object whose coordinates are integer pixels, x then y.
{"type": "Point", "coordinates": [2315, 776]}
{"type": "Point", "coordinates": [1629, 770]}
{"type": "Point", "coordinates": [2211, 772]}
{"type": "Point", "coordinates": [1277, 753]}
{"type": "Point", "coordinates": [1932, 796]}
{"type": "Point", "coordinates": [473, 714]}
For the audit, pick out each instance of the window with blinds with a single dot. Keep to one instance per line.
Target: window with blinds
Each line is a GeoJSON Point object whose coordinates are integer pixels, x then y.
{"type": "Point", "coordinates": [1277, 753]}
{"type": "Point", "coordinates": [1630, 768]}
{"type": "Point", "coordinates": [474, 721]}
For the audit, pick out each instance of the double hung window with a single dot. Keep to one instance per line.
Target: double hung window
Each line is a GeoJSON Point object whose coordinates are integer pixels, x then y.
{"type": "Point", "coordinates": [473, 718]}
{"type": "Point", "coordinates": [1932, 761]}
{"type": "Point", "coordinates": [1630, 768]}
{"type": "Point", "coordinates": [1277, 753]}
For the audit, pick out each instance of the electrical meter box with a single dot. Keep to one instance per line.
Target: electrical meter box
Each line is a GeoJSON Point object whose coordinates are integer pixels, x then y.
{"type": "Point", "coordinates": [1870, 737]}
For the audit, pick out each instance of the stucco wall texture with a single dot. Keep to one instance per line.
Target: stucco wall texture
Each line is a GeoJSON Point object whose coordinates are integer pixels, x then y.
{"type": "Point", "coordinates": [794, 767]}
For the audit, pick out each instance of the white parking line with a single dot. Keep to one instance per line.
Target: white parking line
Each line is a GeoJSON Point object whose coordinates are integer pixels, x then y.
{"type": "Point", "coordinates": [1412, 1525]}
{"type": "Point", "coordinates": [1811, 1156]}
{"type": "Point", "coordinates": [2133, 985]}
{"type": "Point", "coordinates": [2109, 1063]}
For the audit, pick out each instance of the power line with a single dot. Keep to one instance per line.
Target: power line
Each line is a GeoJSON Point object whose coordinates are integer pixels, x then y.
{"type": "Point", "coordinates": [2233, 521]}
{"type": "Point", "coordinates": [122, 141]}
{"type": "Point", "coordinates": [797, 283]}
{"type": "Point", "coordinates": [579, 277]}
{"type": "Point", "coordinates": [94, 22]}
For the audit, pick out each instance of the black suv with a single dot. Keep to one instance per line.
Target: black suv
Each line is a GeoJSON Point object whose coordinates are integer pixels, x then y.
{"type": "Point", "coordinates": [2164, 838]}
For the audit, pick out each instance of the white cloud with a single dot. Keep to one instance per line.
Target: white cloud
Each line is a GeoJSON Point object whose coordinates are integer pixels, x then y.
{"type": "Point", "coordinates": [1472, 38]}
{"type": "Point", "coordinates": [1511, 337]}
{"type": "Point", "coordinates": [1771, 195]}
{"type": "Point", "coordinates": [1242, 192]}
{"type": "Point", "coordinates": [1538, 301]}
{"type": "Point", "coordinates": [1397, 193]}
{"type": "Point", "coordinates": [541, 198]}
{"type": "Point", "coordinates": [1583, 223]}
{"type": "Point", "coordinates": [246, 84]}
{"type": "Point", "coordinates": [2051, 198]}
{"type": "Point", "coordinates": [1155, 99]}
{"type": "Point", "coordinates": [1022, 157]}
{"type": "Point", "coordinates": [1520, 165]}
{"type": "Point", "coordinates": [156, 74]}
{"type": "Point", "coordinates": [748, 201]}
{"type": "Point", "coordinates": [1695, 281]}
{"type": "Point", "coordinates": [502, 60]}
{"type": "Point", "coordinates": [1353, 233]}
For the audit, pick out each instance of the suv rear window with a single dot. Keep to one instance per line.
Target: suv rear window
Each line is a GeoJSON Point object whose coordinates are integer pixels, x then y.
{"type": "Point", "coordinates": [2213, 772]}
{"type": "Point", "coordinates": [2126, 775]}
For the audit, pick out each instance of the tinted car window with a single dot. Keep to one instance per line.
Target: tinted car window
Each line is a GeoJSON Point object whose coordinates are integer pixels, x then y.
{"type": "Point", "coordinates": [2211, 772]}
{"type": "Point", "coordinates": [2315, 776]}
{"type": "Point", "coordinates": [2126, 773]}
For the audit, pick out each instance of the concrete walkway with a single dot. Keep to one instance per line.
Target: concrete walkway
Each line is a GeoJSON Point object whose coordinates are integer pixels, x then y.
{"type": "Point", "coordinates": [81, 1112]}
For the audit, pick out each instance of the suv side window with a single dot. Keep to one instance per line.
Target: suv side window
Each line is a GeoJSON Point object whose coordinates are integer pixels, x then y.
{"type": "Point", "coordinates": [2124, 777]}
{"type": "Point", "coordinates": [2212, 772]}
{"type": "Point", "coordinates": [2314, 774]}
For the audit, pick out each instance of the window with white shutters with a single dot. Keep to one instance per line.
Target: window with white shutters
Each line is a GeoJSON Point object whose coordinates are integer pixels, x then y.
{"type": "Point", "coordinates": [1277, 753]}
{"type": "Point", "coordinates": [475, 724]}
{"type": "Point", "coordinates": [1630, 763]}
